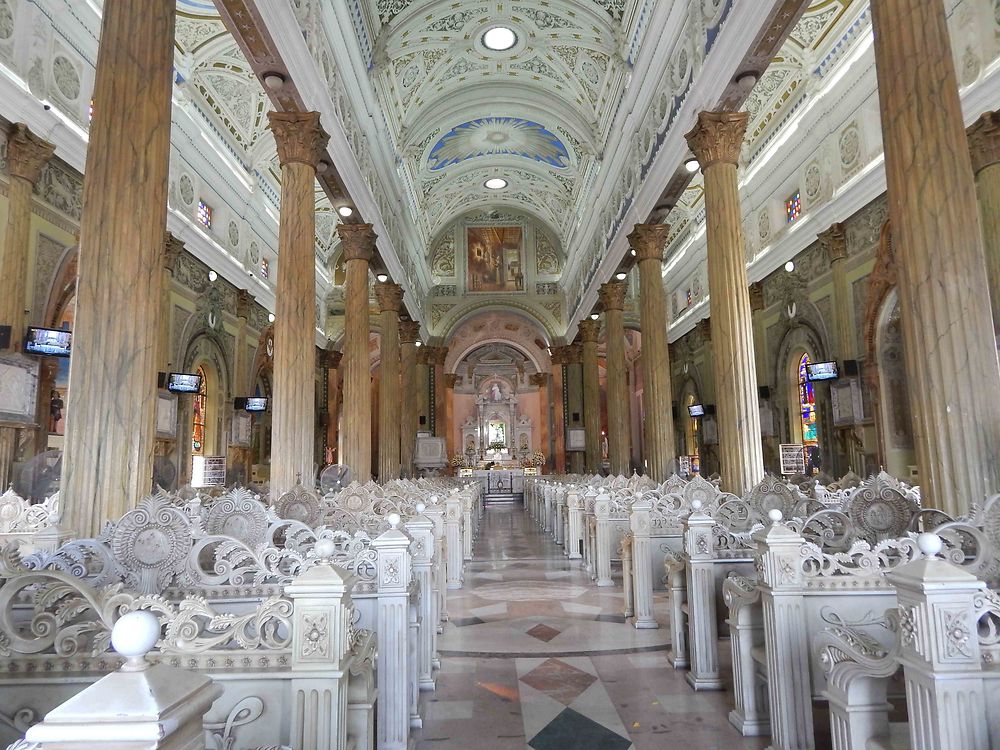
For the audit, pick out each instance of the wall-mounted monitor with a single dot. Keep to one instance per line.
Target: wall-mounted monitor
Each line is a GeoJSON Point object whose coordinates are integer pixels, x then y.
{"type": "Point", "coordinates": [48, 342]}
{"type": "Point", "coordinates": [696, 410]}
{"type": "Point", "coordinates": [184, 382]}
{"type": "Point", "coordinates": [256, 404]}
{"type": "Point", "coordinates": [822, 371]}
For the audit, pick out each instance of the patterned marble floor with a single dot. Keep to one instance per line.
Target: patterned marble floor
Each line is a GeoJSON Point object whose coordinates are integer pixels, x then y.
{"type": "Point", "coordinates": [535, 656]}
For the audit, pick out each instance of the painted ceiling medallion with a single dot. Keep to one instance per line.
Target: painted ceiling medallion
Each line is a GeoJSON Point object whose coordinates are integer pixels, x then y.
{"type": "Point", "coordinates": [498, 135]}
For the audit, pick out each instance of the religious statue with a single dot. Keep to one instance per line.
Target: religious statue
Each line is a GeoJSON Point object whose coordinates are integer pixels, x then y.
{"type": "Point", "coordinates": [497, 393]}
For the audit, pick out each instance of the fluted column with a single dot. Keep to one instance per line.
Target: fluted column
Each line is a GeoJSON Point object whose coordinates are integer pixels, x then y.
{"type": "Point", "coordinates": [947, 329]}
{"type": "Point", "coordinates": [984, 147]}
{"type": "Point", "coordinates": [390, 298]}
{"type": "Point", "coordinates": [591, 396]}
{"type": "Point", "coordinates": [331, 369]}
{"type": "Point", "coordinates": [716, 141]}
{"type": "Point", "coordinates": [108, 456]}
{"type": "Point", "coordinates": [649, 241]}
{"type": "Point", "coordinates": [541, 381]}
{"type": "Point", "coordinates": [574, 400]}
{"type": "Point", "coordinates": [612, 296]}
{"type": "Point", "coordinates": [562, 357]}
{"type": "Point", "coordinates": [300, 141]}
{"type": "Point", "coordinates": [358, 241]}
{"type": "Point", "coordinates": [834, 243]}
{"type": "Point", "coordinates": [27, 154]}
{"type": "Point", "coordinates": [409, 334]}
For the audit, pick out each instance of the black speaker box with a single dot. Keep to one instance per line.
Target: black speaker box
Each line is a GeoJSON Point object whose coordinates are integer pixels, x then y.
{"type": "Point", "coordinates": [764, 392]}
{"type": "Point", "coordinates": [851, 368]}
{"type": "Point", "coordinates": [4, 337]}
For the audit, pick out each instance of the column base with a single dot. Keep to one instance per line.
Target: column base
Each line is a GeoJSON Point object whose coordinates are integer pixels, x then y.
{"type": "Point", "coordinates": [427, 685]}
{"type": "Point", "coordinates": [750, 728]}
{"type": "Point", "coordinates": [703, 683]}
{"type": "Point", "coordinates": [575, 556]}
{"type": "Point", "coordinates": [678, 662]}
{"type": "Point", "coordinates": [453, 585]}
{"type": "Point", "coordinates": [416, 722]}
{"type": "Point", "coordinates": [605, 582]}
{"type": "Point", "coordinates": [646, 624]}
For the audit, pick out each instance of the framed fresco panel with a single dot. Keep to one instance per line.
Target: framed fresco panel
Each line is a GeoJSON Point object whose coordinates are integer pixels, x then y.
{"type": "Point", "coordinates": [495, 259]}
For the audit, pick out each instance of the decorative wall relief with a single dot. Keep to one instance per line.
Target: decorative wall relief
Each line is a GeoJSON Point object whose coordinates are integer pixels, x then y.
{"type": "Point", "coordinates": [443, 259]}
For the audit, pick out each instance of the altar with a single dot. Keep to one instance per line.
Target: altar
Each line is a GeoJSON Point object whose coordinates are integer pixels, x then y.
{"type": "Point", "coordinates": [500, 483]}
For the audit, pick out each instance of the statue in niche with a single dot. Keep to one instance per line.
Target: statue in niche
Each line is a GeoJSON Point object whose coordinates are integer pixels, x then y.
{"type": "Point", "coordinates": [497, 393]}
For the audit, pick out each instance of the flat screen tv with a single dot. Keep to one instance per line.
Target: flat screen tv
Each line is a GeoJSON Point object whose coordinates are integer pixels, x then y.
{"type": "Point", "coordinates": [256, 404]}
{"type": "Point", "coordinates": [49, 342]}
{"type": "Point", "coordinates": [696, 410]}
{"type": "Point", "coordinates": [822, 371]}
{"type": "Point", "coordinates": [184, 382]}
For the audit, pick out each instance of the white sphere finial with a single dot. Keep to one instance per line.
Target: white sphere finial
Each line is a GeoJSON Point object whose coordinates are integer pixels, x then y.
{"type": "Point", "coordinates": [133, 636]}
{"type": "Point", "coordinates": [420, 508]}
{"type": "Point", "coordinates": [394, 519]}
{"type": "Point", "coordinates": [775, 515]}
{"type": "Point", "coordinates": [435, 499]}
{"type": "Point", "coordinates": [324, 548]}
{"type": "Point", "coordinates": [930, 544]}
{"type": "Point", "coordinates": [696, 505]}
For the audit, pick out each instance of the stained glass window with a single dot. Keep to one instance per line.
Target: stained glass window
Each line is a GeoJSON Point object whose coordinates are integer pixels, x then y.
{"type": "Point", "coordinates": [265, 268]}
{"type": "Point", "coordinates": [793, 207]}
{"type": "Point", "coordinates": [204, 214]}
{"type": "Point", "coordinates": [198, 418]}
{"type": "Point", "coordinates": [807, 405]}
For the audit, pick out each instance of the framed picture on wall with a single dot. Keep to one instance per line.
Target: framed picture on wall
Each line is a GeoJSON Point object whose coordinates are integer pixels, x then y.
{"type": "Point", "coordinates": [576, 439]}
{"type": "Point", "coordinates": [166, 415]}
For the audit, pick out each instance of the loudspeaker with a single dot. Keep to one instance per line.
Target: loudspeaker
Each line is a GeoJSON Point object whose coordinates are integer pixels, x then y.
{"type": "Point", "coordinates": [764, 392]}
{"type": "Point", "coordinates": [240, 403]}
{"type": "Point", "coordinates": [576, 416]}
{"type": "Point", "coordinates": [851, 368]}
{"type": "Point", "coordinates": [423, 420]}
{"type": "Point", "coordinates": [161, 380]}
{"type": "Point", "coordinates": [710, 410]}
{"type": "Point", "coordinates": [4, 337]}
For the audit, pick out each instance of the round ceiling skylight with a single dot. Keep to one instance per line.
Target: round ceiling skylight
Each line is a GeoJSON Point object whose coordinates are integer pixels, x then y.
{"type": "Point", "coordinates": [496, 183]}
{"type": "Point", "coordinates": [499, 38]}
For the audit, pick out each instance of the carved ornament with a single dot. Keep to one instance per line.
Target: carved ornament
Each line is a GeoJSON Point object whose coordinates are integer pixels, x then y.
{"type": "Point", "coordinates": [27, 154]}
{"type": "Point", "coordinates": [718, 138]}
{"type": "Point", "coordinates": [834, 242]}
{"type": "Point", "coordinates": [649, 241]}
{"type": "Point", "coordinates": [298, 136]}
{"type": "Point", "coordinates": [357, 241]}
{"type": "Point", "coordinates": [409, 331]}
{"type": "Point", "coordinates": [389, 296]}
{"type": "Point", "coordinates": [984, 141]}
{"type": "Point", "coordinates": [612, 295]}
{"type": "Point", "coordinates": [589, 330]}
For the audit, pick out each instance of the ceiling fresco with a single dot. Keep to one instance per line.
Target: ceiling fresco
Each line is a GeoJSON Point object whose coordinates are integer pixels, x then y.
{"type": "Point", "coordinates": [498, 135]}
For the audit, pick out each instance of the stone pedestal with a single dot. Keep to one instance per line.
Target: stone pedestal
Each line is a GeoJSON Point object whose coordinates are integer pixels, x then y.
{"type": "Point", "coordinates": [984, 148]}
{"type": "Point", "coordinates": [108, 456]}
{"type": "Point", "coordinates": [591, 396]}
{"type": "Point", "coordinates": [716, 141]}
{"type": "Point", "coordinates": [648, 241]}
{"type": "Point", "coordinates": [390, 298]}
{"type": "Point", "coordinates": [612, 297]}
{"type": "Point", "coordinates": [358, 241]}
{"type": "Point", "coordinates": [300, 141]}
{"type": "Point", "coordinates": [409, 335]}
{"type": "Point", "coordinates": [27, 154]}
{"type": "Point", "coordinates": [947, 325]}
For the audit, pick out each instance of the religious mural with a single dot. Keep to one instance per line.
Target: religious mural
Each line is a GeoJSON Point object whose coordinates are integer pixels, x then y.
{"type": "Point", "coordinates": [495, 259]}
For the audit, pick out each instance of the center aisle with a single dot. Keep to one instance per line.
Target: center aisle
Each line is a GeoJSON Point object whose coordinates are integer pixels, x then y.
{"type": "Point", "coordinates": [535, 655]}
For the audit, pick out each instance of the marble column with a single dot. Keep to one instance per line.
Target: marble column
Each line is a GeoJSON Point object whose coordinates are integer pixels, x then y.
{"type": "Point", "coordinates": [834, 243]}
{"type": "Point", "coordinates": [358, 241]}
{"type": "Point", "coordinates": [390, 412]}
{"type": "Point", "coordinates": [108, 455]}
{"type": "Point", "coordinates": [984, 148]}
{"type": "Point", "coordinates": [27, 155]}
{"type": "Point", "coordinates": [591, 396]}
{"type": "Point", "coordinates": [423, 395]}
{"type": "Point", "coordinates": [301, 141]}
{"type": "Point", "coordinates": [947, 327]}
{"type": "Point", "coordinates": [448, 382]}
{"type": "Point", "coordinates": [541, 381]}
{"type": "Point", "coordinates": [409, 335]}
{"type": "Point", "coordinates": [649, 241]}
{"type": "Point", "coordinates": [612, 296]}
{"type": "Point", "coordinates": [561, 356]}
{"type": "Point", "coordinates": [173, 248]}
{"type": "Point", "coordinates": [574, 401]}
{"type": "Point", "coordinates": [331, 368]}
{"type": "Point", "coordinates": [715, 142]}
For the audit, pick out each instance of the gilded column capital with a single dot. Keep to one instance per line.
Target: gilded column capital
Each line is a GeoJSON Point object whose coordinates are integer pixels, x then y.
{"type": "Point", "coordinates": [566, 355]}
{"type": "Point", "coordinates": [589, 330]}
{"type": "Point", "coordinates": [435, 355]}
{"type": "Point", "coordinates": [649, 241]}
{"type": "Point", "coordinates": [357, 240]}
{"type": "Point", "coordinates": [27, 154]}
{"type": "Point", "coordinates": [834, 242]}
{"type": "Point", "coordinates": [704, 329]}
{"type": "Point", "coordinates": [409, 331]}
{"type": "Point", "coordinates": [539, 379]}
{"type": "Point", "coordinates": [244, 303]}
{"type": "Point", "coordinates": [329, 359]}
{"type": "Point", "coordinates": [298, 136]}
{"type": "Point", "coordinates": [389, 296]}
{"type": "Point", "coordinates": [718, 138]}
{"type": "Point", "coordinates": [612, 295]}
{"type": "Point", "coordinates": [756, 292]}
{"type": "Point", "coordinates": [451, 379]}
{"type": "Point", "coordinates": [984, 141]}
{"type": "Point", "coordinates": [172, 250]}
{"type": "Point", "coordinates": [422, 355]}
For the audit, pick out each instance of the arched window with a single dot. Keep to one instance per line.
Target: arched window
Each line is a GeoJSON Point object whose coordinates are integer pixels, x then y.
{"type": "Point", "coordinates": [807, 404]}
{"type": "Point", "coordinates": [198, 419]}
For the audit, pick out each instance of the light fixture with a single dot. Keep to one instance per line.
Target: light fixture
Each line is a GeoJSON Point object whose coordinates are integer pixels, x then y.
{"type": "Point", "coordinates": [383, 277]}
{"type": "Point", "coordinates": [747, 80]}
{"type": "Point", "coordinates": [789, 266]}
{"type": "Point", "coordinates": [594, 316]}
{"type": "Point", "coordinates": [495, 183]}
{"type": "Point", "coordinates": [691, 165]}
{"type": "Point", "coordinates": [274, 81]}
{"type": "Point", "coordinates": [270, 317]}
{"type": "Point", "coordinates": [418, 343]}
{"type": "Point", "coordinates": [212, 275]}
{"type": "Point", "coordinates": [632, 252]}
{"type": "Point", "coordinates": [321, 166]}
{"type": "Point", "coordinates": [345, 211]}
{"type": "Point", "coordinates": [499, 38]}
{"type": "Point", "coordinates": [621, 275]}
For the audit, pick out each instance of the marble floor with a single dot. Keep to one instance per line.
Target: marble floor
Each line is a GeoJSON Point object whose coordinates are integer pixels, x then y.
{"type": "Point", "coordinates": [534, 655]}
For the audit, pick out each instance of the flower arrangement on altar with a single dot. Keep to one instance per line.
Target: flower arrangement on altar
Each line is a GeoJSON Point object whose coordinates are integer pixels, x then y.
{"type": "Point", "coordinates": [498, 445]}
{"type": "Point", "coordinates": [534, 459]}
{"type": "Point", "coordinates": [460, 461]}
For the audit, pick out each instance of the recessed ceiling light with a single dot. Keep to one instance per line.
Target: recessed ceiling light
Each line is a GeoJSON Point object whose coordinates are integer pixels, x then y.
{"type": "Point", "coordinates": [632, 253]}
{"type": "Point", "coordinates": [621, 275]}
{"type": "Point", "coordinates": [274, 81]}
{"type": "Point", "coordinates": [594, 316]}
{"type": "Point", "coordinates": [495, 183]}
{"type": "Point", "coordinates": [418, 342]}
{"type": "Point", "coordinates": [789, 266]}
{"type": "Point", "coordinates": [383, 277]}
{"type": "Point", "coordinates": [345, 211]}
{"type": "Point", "coordinates": [691, 165]}
{"type": "Point", "coordinates": [212, 275]}
{"type": "Point", "coordinates": [270, 317]}
{"type": "Point", "coordinates": [499, 38]}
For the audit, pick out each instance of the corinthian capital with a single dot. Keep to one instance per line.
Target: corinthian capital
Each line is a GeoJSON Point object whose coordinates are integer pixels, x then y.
{"type": "Point", "coordinates": [834, 242]}
{"type": "Point", "coordinates": [358, 241]}
{"type": "Point", "coordinates": [589, 330]}
{"type": "Point", "coordinates": [27, 154]}
{"type": "Point", "coordinates": [649, 241]}
{"type": "Point", "coordinates": [612, 295]}
{"type": "Point", "coordinates": [389, 296]}
{"type": "Point", "coordinates": [299, 137]}
{"type": "Point", "coordinates": [984, 141]}
{"type": "Point", "coordinates": [409, 331]}
{"type": "Point", "coordinates": [718, 137]}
